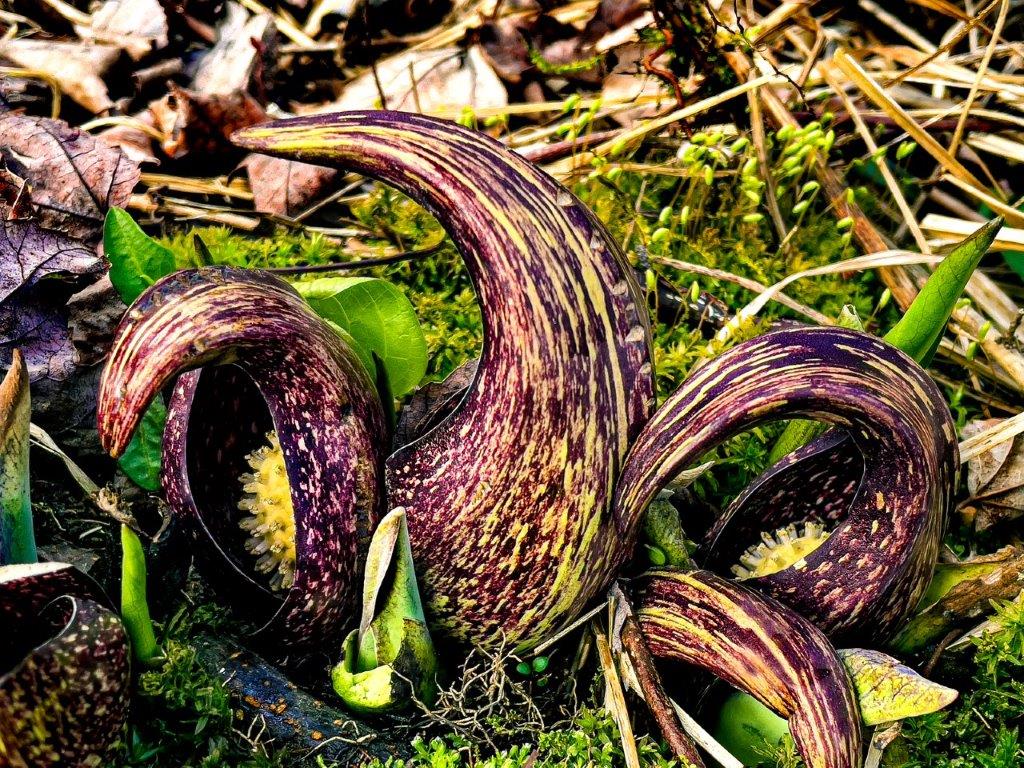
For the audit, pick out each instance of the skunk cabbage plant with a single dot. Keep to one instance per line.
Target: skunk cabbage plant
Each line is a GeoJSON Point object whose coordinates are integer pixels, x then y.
{"type": "Point", "coordinates": [64, 664]}
{"type": "Point", "coordinates": [64, 669]}
{"type": "Point", "coordinates": [874, 566]}
{"type": "Point", "coordinates": [526, 500]}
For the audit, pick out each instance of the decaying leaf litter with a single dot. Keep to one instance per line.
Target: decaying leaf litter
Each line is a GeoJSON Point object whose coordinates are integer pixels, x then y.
{"type": "Point", "coordinates": [895, 130]}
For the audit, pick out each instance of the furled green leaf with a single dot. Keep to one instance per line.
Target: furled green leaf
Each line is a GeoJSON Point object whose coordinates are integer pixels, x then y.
{"type": "Point", "coordinates": [380, 318]}
{"type": "Point", "coordinates": [134, 605]}
{"type": "Point", "coordinates": [136, 260]}
{"type": "Point", "coordinates": [961, 592]}
{"type": "Point", "coordinates": [141, 460]}
{"type": "Point", "coordinates": [919, 331]}
{"type": "Point", "coordinates": [889, 691]}
{"type": "Point", "coordinates": [391, 656]}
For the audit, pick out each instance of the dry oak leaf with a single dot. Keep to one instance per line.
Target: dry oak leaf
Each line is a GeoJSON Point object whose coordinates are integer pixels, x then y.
{"type": "Point", "coordinates": [432, 402]}
{"type": "Point", "coordinates": [55, 189]}
{"type": "Point", "coordinates": [503, 42]}
{"type": "Point", "coordinates": [73, 178]}
{"type": "Point", "coordinates": [29, 253]}
{"type": "Point", "coordinates": [995, 480]}
{"type": "Point", "coordinates": [286, 187]}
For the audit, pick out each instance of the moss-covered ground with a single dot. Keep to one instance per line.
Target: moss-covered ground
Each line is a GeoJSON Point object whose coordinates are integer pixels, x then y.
{"type": "Point", "coordinates": [705, 207]}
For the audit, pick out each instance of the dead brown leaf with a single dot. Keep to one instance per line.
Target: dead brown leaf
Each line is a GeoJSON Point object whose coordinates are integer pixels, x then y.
{"type": "Point", "coordinates": [55, 191]}
{"type": "Point", "coordinates": [429, 404]}
{"type": "Point", "coordinates": [504, 45]}
{"type": "Point", "coordinates": [432, 82]}
{"type": "Point", "coordinates": [93, 314]}
{"type": "Point", "coordinates": [244, 46]}
{"type": "Point", "coordinates": [135, 26]}
{"type": "Point", "coordinates": [995, 480]}
{"type": "Point", "coordinates": [285, 187]}
{"type": "Point", "coordinates": [612, 15]}
{"type": "Point", "coordinates": [196, 123]}
{"type": "Point", "coordinates": [72, 177]}
{"type": "Point", "coordinates": [373, 20]}
{"type": "Point", "coordinates": [132, 138]}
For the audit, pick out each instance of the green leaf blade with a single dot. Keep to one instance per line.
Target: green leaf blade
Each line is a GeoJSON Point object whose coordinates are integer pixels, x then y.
{"type": "Point", "coordinates": [919, 331]}
{"type": "Point", "coordinates": [380, 318]}
{"type": "Point", "coordinates": [141, 460]}
{"type": "Point", "coordinates": [134, 605]}
{"type": "Point", "coordinates": [136, 260]}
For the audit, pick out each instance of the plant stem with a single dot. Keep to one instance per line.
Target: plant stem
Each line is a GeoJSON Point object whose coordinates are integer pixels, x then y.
{"type": "Point", "coordinates": [134, 606]}
{"type": "Point", "coordinates": [310, 269]}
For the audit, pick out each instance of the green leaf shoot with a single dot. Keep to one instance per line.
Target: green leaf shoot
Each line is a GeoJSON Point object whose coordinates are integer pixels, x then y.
{"type": "Point", "coordinates": [136, 260]}
{"type": "Point", "coordinates": [134, 605]}
{"type": "Point", "coordinates": [17, 535]}
{"type": "Point", "coordinates": [920, 330]}
{"type": "Point", "coordinates": [390, 655]}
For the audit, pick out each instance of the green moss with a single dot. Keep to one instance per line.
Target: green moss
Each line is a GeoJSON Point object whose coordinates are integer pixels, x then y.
{"type": "Point", "coordinates": [982, 730]}
{"type": "Point", "coordinates": [181, 715]}
{"type": "Point", "coordinates": [591, 740]}
{"type": "Point", "coordinates": [709, 209]}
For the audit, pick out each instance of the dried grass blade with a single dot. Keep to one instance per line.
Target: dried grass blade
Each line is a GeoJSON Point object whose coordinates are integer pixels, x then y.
{"type": "Point", "coordinates": [988, 439]}
{"type": "Point", "coordinates": [883, 167]}
{"type": "Point", "coordinates": [1008, 212]}
{"type": "Point", "coordinates": [857, 75]}
{"type": "Point", "coordinates": [882, 259]}
{"type": "Point", "coordinates": [952, 229]}
{"type": "Point", "coordinates": [615, 699]}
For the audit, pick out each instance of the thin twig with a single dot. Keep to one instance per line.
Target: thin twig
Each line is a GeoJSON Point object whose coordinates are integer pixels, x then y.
{"type": "Point", "coordinates": [308, 269]}
{"type": "Point", "coordinates": [566, 630]}
{"type": "Point", "coordinates": [103, 501]}
{"type": "Point", "coordinates": [658, 702]}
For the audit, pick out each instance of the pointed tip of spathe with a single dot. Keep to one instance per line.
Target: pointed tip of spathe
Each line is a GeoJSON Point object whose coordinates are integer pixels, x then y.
{"type": "Point", "coordinates": [317, 133]}
{"type": "Point", "coordinates": [17, 374]}
{"type": "Point", "coordinates": [287, 135]}
{"type": "Point", "coordinates": [252, 136]}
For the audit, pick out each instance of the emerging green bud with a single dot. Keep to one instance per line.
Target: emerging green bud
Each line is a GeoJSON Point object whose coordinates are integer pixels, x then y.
{"type": "Point", "coordinates": [391, 656]}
